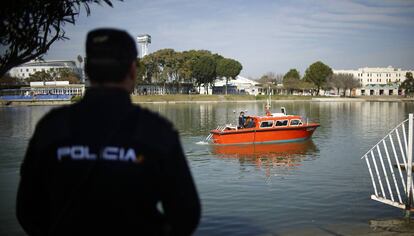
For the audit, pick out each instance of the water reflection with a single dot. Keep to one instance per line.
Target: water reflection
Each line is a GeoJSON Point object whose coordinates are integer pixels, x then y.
{"type": "Point", "coordinates": [268, 156]}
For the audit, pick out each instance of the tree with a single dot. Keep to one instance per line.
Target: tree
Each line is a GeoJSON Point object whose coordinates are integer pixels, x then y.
{"type": "Point", "coordinates": [204, 70]}
{"type": "Point", "coordinates": [141, 71]}
{"type": "Point", "coordinates": [408, 84]}
{"type": "Point", "coordinates": [350, 82]}
{"type": "Point", "coordinates": [228, 68]}
{"type": "Point", "coordinates": [40, 76]}
{"type": "Point", "coordinates": [29, 28]}
{"type": "Point", "coordinates": [318, 73]}
{"type": "Point", "coordinates": [291, 80]}
{"type": "Point", "coordinates": [80, 60]}
{"type": "Point", "coordinates": [9, 80]}
{"type": "Point", "coordinates": [292, 73]}
{"type": "Point", "coordinates": [66, 74]}
{"type": "Point", "coordinates": [291, 84]}
{"type": "Point", "coordinates": [271, 78]}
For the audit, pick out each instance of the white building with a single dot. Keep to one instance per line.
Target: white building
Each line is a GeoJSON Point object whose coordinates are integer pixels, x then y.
{"type": "Point", "coordinates": [144, 40]}
{"type": "Point", "coordinates": [377, 80]}
{"type": "Point", "coordinates": [239, 85]}
{"type": "Point", "coordinates": [25, 70]}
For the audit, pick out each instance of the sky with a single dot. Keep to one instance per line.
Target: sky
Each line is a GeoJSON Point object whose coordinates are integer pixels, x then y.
{"type": "Point", "coordinates": [264, 35]}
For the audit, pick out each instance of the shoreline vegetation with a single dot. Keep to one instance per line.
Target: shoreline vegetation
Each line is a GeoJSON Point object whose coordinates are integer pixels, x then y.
{"type": "Point", "coordinates": [181, 98]}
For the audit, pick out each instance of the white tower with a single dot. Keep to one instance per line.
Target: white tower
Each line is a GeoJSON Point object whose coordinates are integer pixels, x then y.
{"type": "Point", "coordinates": [144, 40]}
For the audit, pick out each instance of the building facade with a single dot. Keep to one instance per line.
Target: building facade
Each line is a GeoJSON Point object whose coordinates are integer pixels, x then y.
{"type": "Point", "coordinates": [25, 70]}
{"type": "Point", "coordinates": [377, 81]}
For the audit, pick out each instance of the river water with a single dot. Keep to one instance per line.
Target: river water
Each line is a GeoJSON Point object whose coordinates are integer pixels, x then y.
{"type": "Point", "coordinates": [256, 189]}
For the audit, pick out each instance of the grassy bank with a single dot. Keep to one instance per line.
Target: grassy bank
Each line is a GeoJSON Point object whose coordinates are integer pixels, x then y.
{"type": "Point", "coordinates": [181, 98]}
{"type": "Point", "coordinates": [210, 98]}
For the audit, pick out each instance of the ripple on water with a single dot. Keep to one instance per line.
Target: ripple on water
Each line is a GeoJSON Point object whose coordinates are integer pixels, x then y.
{"type": "Point", "coordinates": [259, 189]}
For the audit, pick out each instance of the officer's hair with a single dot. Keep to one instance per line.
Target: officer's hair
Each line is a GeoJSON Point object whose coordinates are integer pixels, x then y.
{"type": "Point", "coordinates": [107, 73]}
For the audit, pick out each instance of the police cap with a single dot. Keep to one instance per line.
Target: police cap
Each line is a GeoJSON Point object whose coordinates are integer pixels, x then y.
{"type": "Point", "coordinates": [110, 47]}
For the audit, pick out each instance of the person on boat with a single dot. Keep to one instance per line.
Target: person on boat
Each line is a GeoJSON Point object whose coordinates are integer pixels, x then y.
{"type": "Point", "coordinates": [104, 166]}
{"type": "Point", "coordinates": [249, 122]}
{"type": "Point", "coordinates": [242, 120]}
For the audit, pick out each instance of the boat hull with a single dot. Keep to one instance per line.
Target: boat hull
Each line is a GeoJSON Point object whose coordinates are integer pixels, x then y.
{"type": "Point", "coordinates": [268, 135]}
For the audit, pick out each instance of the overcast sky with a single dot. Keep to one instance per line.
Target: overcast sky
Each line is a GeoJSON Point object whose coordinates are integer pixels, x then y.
{"type": "Point", "coordinates": [265, 36]}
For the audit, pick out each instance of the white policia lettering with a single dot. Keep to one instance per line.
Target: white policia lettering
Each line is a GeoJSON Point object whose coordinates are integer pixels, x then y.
{"type": "Point", "coordinates": [109, 153]}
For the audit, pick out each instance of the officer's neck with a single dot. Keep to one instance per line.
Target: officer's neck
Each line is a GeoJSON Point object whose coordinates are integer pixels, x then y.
{"type": "Point", "coordinates": [124, 85]}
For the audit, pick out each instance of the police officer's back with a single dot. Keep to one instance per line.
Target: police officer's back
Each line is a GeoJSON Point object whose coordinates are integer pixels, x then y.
{"type": "Point", "coordinates": [103, 165]}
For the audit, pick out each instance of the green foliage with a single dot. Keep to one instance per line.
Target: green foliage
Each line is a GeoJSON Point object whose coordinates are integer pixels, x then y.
{"type": "Point", "coordinates": [291, 84]}
{"type": "Point", "coordinates": [292, 81]}
{"type": "Point", "coordinates": [63, 74]}
{"type": "Point", "coordinates": [76, 99]}
{"type": "Point", "coordinates": [29, 28]}
{"type": "Point", "coordinates": [228, 68]}
{"type": "Point", "coordinates": [408, 83]}
{"type": "Point", "coordinates": [318, 73]}
{"type": "Point", "coordinates": [204, 69]}
{"type": "Point", "coordinates": [40, 76]}
{"type": "Point", "coordinates": [195, 66]}
{"type": "Point", "coordinates": [66, 74]}
{"type": "Point", "coordinates": [292, 73]}
{"type": "Point", "coordinates": [141, 72]}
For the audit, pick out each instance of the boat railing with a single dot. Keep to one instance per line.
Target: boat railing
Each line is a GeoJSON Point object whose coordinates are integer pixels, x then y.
{"type": "Point", "coordinates": [389, 164]}
{"type": "Point", "coordinates": [219, 128]}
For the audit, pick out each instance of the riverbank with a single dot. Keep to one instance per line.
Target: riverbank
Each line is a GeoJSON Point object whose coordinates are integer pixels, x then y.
{"type": "Point", "coordinates": [181, 98]}
{"type": "Point", "coordinates": [251, 98]}
{"type": "Point", "coordinates": [33, 103]}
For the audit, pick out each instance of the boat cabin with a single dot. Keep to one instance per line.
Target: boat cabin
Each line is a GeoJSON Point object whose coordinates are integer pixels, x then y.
{"type": "Point", "coordinates": [276, 120]}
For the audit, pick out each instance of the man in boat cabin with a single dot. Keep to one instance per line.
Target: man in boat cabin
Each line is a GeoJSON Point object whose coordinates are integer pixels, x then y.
{"type": "Point", "coordinates": [242, 120]}
{"type": "Point", "coordinates": [104, 166]}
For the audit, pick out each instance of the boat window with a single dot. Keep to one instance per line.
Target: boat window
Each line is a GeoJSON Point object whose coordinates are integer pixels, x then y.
{"type": "Point", "coordinates": [281, 123]}
{"type": "Point", "coordinates": [266, 124]}
{"type": "Point", "coordinates": [295, 122]}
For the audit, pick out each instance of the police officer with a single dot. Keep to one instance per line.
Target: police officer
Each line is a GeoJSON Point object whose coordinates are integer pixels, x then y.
{"type": "Point", "coordinates": [104, 166]}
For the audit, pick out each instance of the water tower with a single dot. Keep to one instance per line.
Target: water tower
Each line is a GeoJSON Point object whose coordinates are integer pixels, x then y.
{"type": "Point", "coordinates": [144, 40]}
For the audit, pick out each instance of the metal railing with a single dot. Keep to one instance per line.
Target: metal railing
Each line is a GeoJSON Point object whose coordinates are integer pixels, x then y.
{"type": "Point", "coordinates": [389, 164]}
{"type": "Point", "coordinates": [219, 128]}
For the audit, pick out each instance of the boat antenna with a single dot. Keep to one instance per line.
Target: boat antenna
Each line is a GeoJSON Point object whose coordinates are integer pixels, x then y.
{"type": "Point", "coordinates": [268, 104]}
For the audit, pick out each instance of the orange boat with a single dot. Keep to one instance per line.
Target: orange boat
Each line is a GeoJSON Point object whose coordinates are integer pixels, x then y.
{"type": "Point", "coordinates": [270, 128]}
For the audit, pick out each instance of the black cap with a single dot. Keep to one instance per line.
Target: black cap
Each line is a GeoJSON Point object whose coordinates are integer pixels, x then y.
{"type": "Point", "coordinates": [110, 47]}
